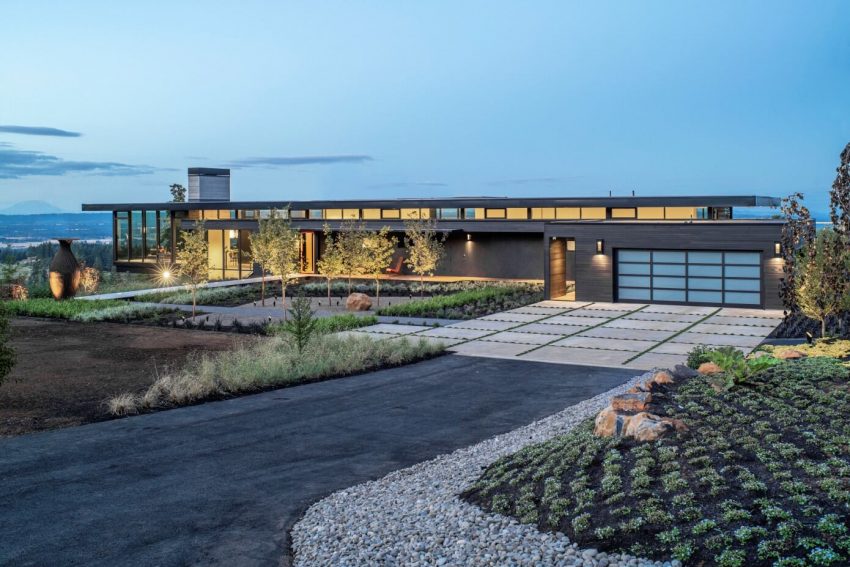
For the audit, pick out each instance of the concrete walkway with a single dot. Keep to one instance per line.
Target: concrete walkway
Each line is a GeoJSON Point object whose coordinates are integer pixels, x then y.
{"type": "Point", "coordinates": [222, 483]}
{"type": "Point", "coordinates": [636, 336]}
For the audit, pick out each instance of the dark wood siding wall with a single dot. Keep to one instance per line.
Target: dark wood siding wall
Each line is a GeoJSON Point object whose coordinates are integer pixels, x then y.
{"type": "Point", "coordinates": [494, 255]}
{"type": "Point", "coordinates": [557, 267]}
{"type": "Point", "coordinates": [595, 272]}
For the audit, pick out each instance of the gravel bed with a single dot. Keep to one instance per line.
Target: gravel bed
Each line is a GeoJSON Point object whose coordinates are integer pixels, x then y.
{"type": "Point", "coordinates": [413, 516]}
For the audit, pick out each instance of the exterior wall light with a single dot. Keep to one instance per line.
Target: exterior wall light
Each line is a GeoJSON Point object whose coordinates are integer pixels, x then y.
{"type": "Point", "coordinates": [468, 237]}
{"type": "Point", "coordinates": [600, 246]}
{"type": "Point", "coordinates": [777, 248]}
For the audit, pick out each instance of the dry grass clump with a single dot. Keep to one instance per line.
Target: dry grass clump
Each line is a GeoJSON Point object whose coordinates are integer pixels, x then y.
{"type": "Point", "coordinates": [271, 363]}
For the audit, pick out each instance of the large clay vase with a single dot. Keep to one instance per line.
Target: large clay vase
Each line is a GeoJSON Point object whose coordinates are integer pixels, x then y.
{"type": "Point", "coordinates": [64, 271]}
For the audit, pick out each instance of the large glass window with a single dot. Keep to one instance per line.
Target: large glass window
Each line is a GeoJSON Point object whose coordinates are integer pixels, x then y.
{"type": "Point", "coordinates": [136, 235]}
{"type": "Point", "coordinates": [122, 235]}
{"type": "Point", "coordinates": [542, 213]}
{"type": "Point", "coordinates": [390, 214]}
{"type": "Point", "coordinates": [494, 213]}
{"type": "Point", "coordinates": [448, 214]}
{"type": "Point", "coordinates": [517, 213]}
{"type": "Point", "coordinates": [372, 214]}
{"type": "Point", "coordinates": [165, 236]}
{"type": "Point", "coordinates": [151, 240]}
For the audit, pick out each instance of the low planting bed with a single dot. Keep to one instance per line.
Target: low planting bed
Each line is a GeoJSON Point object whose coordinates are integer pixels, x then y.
{"type": "Point", "coordinates": [471, 303]}
{"type": "Point", "coordinates": [86, 311]}
{"type": "Point", "coordinates": [270, 363]}
{"type": "Point", "coordinates": [761, 475]}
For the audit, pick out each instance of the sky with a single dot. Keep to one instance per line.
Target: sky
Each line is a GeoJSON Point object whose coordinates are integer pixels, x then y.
{"type": "Point", "coordinates": [112, 102]}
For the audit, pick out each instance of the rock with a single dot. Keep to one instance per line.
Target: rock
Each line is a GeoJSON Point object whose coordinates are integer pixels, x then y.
{"type": "Point", "coordinates": [631, 402]}
{"type": "Point", "coordinates": [677, 424]}
{"type": "Point", "coordinates": [646, 427]}
{"type": "Point", "coordinates": [662, 377]}
{"type": "Point", "coordinates": [709, 368]}
{"type": "Point", "coordinates": [609, 423]}
{"type": "Point", "coordinates": [790, 354]}
{"type": "Point", "coordinates": [358, 302]}
{"type": "Point", "coordinates": [682, 372]}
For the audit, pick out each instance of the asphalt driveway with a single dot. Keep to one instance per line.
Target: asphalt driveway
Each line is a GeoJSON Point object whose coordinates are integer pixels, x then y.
{"type": "Point", "coordinates": [222, 483]}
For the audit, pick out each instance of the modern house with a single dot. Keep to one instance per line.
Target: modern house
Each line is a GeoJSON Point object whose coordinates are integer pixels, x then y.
{"type": "Point", "coordinates": [687, 250]}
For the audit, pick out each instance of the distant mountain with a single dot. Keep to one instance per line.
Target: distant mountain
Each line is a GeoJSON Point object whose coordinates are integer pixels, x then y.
{"type": "Point", "coordinates": [31, 208]}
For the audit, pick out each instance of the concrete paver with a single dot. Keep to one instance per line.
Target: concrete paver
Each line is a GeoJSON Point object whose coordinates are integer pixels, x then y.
{"type": "Point", "coordinates": [645, 315]}
{"type": "Point", "coordinates": [587, 356]}
{"type": "Point", "coordinates": [608, 313]}
{"type": "Point", "coordinates": [748, 312]}
{"type": "Point", "coordinates": [484, 325]}
{"type": "Point", "coordinates": [549, 329]}
{"type": "Point", "coordinates": [752, 321]}
{"type": "Point", "coordinates": [607, 332]}
{"type": "Point", "coordinates": [535, 310]}
{"type": "Point", "coordinates": [489, 348]}
{"type": "Point", "coordinates": [515, 317]}
{"type": "Point", "coordinates": [655, 360]}
{"type": "Point", "coordinates": [521, 338]}
{"type": "Point", "coordinates": [729, 329]}
{"type": "Point", "coordinates": [452, 332]}
{"type": "Point", "coordinates": [717, 340]}
{"type": "Point", "coordinates": [577, 321]}
{"type": "Point", "coordinates": [680, 309]}
{"type": "Point", "coordinates": [628, 323]}
{"type": "Point", "coordinates": [392, 328]}
{"type": "Point", "coordinates": [600, 306]}
{"type": "Point", "coordinates": [596, 343]}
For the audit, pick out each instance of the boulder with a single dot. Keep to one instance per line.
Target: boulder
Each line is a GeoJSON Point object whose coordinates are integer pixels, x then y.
{"type": "Point", "coordinates": [709, 368]}
{"type": "Point", "coordinates": [358, 302]}
{"type": "Point", "coordinates": [662, 377]}
{"type": "Point", "coordinates": [677, 424]}
{"type": "Point", "coordinates": [631, 402]}
{"type": "Point", "coordinates": [647, 427]}
{"type": "Point", "coordinates": [790, 354]}
{"type": "Point", "coordinates": [682, 372]}
{"type": "Point", "coordinates": [609, 423]}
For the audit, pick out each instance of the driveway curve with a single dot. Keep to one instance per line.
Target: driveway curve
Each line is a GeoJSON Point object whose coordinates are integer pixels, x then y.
{"type": "Point", "coordinates": [222, 483]}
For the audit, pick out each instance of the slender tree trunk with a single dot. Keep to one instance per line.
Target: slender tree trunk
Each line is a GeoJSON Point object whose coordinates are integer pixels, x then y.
{"type": "Point", "coordinates": [283, 286]}
{"type": "Point", "coordinates": [329, 293]}
{"type": "Point", "coordinates": [421, 285]}
{"type": "Point", "coordinates": [194, 303]}
{"type": "Point", "coordinates": [378, 292]}
{"type": "Point", "coordinates": [823, 328]}
{"type": "Point", "coordinates": [349, 284]}
{"type": "Point", "coordinates": [263, 288]}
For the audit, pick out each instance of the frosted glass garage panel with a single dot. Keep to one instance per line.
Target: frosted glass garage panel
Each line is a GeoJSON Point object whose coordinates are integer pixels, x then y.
{"type": "Point", "coordinates": [705, 297]}
{"type": "Point", "coordinates": [636, 269]}
{"type": "Point", "coordinates": [742, 271]}
{"type": "Point", "coordinates": [633, 293]}
{"type": "Point", "coordinates": [742, 285]}
{"type": "Point", "coordinates": [633, 255]}
{"type": "Point", "coordinates": [668, 295]}
{"type": "Point", "coordinates": [705, 257]}
{"type": "Point", "coordinates": [668, 269]}
{"type": "Point", "coordinates": [633, 281]}
{"type": "Point", "coordinates": [741, 298]}
{"type": "Point", "coordinates": [747, 258]}
{"type": "Point", "coordinates": [669, 257]}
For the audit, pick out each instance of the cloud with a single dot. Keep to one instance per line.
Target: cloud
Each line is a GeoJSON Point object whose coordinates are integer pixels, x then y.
{"type": "Point", "coordinates": [303, 160]}
{"type": "Point", "coordinates": [530, 181]}
{"type": "Point", "coordinates": [39, 131]}
{"type": "Point", "coordinates": [15, 164]}
{"type": "Point", "coordinates": [402, 184]}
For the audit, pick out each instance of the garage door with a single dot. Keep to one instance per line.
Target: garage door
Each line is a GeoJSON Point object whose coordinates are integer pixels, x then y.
{"type": "Point", "coordinates": [689, 276]}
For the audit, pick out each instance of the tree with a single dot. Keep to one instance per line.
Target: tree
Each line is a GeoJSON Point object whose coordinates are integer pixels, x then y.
{"type": "Point", "coordinates": [378, 249]}
{"type": "Point", "coordinates": [7, 353]}
{"type": "Point", "coordinates": [263, 249]}
{"type": "Point", "coordinates": [823, 289]}
{"type": "Point", "coordinates": [332, 263]}
{"type": "Point", "coordinates": [178, 193]}
{"type": "Point", "coordinates": [350, 238]}
{"type": "Point", "coordinates": [285, 253]}
{"type": "Point", "coordinates": [424, 248]}
{"type": "Point", "coordinates": [89, 278]}
{"type": "Point", "coordinates": [301, 324]}
{"type": "Point", "coordinates": [839, 195]}
{"type": "Point", "coordinates": [797, 233]}
{"type": "Point", "coordinates": [192, 259]}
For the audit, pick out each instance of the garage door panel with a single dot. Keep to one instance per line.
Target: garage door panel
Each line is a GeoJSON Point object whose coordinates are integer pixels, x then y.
{"type": "Point", "coordinates": [689, 276]}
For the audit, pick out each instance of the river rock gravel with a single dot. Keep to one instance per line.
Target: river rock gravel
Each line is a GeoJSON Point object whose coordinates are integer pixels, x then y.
{"type": "Point", "coordinates": [413, 516]}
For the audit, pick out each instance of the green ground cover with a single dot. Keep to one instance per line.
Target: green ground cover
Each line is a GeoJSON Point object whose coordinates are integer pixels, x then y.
{"type": "Point", "coordinates": [267, 363]}
{"type": "Point", "coordinates": [332, 324]}
{"type": "Point", "coordinates": [471, 303]}
{"type": "Point", "coordinates": [761, 477]}
{"type": "Point", "coordinates": [85, 310]}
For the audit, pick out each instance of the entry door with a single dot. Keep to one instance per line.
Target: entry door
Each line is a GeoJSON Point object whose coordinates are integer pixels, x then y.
{"type": "Point", "coordinates": [689, 276]}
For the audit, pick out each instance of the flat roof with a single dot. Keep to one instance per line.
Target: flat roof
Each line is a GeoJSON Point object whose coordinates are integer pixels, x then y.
{"type": "Point", "coordinates": [449, 202]}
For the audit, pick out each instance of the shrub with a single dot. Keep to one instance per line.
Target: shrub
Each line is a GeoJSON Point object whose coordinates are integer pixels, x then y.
{"type": "Point", "coordinates": [301, 325]}
{"type": "Point", "coordinates": [332, 324]}
{"type": "Point", "coordinates": [7, 353]}
{"type": "Point", "coordinates": [698, 356]}
{"type": "Point", "coordinates": [83, 310]}
{"type": "Point", "coordinates": [469, 304]}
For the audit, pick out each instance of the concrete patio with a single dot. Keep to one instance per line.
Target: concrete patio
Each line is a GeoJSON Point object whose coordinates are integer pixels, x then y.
{"type": "Point", "coordinates": [628, 335]}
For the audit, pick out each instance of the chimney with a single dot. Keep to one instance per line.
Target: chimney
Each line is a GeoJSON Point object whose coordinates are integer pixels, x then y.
{"type": "Point", "coordinates": [208, 184]}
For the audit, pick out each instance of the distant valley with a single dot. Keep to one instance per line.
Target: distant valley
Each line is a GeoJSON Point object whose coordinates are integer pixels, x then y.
{"type": "Point", "coordinates": [21, 230]}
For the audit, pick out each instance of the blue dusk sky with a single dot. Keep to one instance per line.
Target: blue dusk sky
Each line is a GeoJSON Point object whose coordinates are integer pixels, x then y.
{"type": "Point", "coordinates": [111, 102]}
